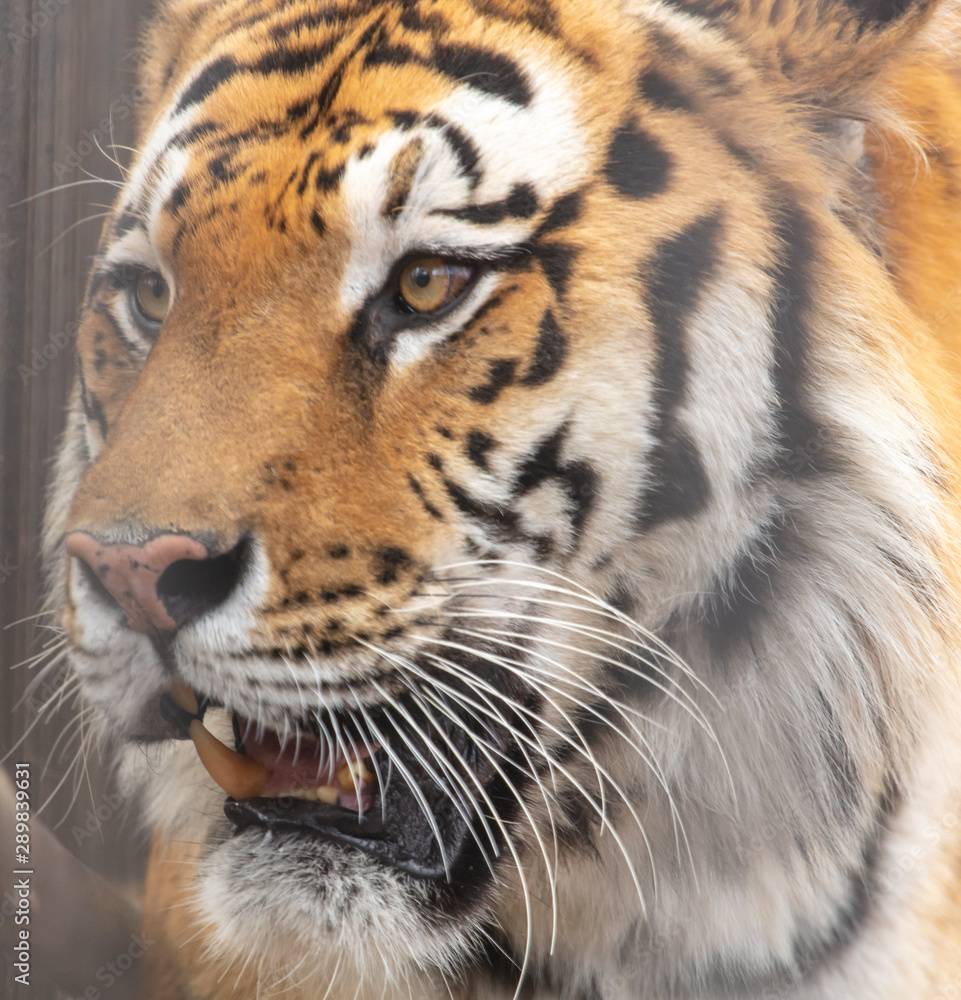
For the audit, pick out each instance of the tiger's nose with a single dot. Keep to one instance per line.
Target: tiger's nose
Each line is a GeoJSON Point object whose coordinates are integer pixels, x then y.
{"type": "Point", "coordinates": [164, 583]}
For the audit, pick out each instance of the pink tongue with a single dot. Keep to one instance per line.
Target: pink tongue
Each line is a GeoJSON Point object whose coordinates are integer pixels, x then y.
{"type": "Point", "coordinates": [292, 766]}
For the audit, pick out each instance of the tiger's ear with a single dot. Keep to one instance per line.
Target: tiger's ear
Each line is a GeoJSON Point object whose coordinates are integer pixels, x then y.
{"type": "Point", "coordinates": [825, 50]}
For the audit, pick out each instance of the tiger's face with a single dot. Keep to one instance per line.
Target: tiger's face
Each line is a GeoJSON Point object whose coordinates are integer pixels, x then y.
{"type": "Point", "coordinates": [446, 372]}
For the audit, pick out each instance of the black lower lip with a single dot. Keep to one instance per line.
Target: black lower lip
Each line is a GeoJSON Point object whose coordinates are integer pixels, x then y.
{"type": "Point", "coordinates": [424, 822]}
{"type": "Point", "coordinates": [395, 830]}
{"type": "Point", "coordinates": [428, 833]}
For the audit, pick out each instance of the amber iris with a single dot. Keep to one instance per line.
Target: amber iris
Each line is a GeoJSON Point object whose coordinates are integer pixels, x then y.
{"type": "Point", "coordinates": [430, 283]}
{"type": "Point", "coordinates": [152, 296]}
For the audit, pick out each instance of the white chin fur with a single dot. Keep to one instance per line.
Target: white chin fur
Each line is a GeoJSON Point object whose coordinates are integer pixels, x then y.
{"type": "Point", "coordinates": [297, 910]}
{"type": "Point", "coordinates": [324, 914]}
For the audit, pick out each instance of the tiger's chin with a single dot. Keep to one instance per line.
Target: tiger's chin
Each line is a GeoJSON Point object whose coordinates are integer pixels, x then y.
{"type": "Point", "coordinates": [301, 910]}
{"type": "Point", "coordinates": [369, 889]}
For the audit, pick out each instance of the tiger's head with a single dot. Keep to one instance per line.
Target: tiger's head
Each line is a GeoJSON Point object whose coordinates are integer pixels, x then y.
{"type": "Point", "coordinates": [493, 444]}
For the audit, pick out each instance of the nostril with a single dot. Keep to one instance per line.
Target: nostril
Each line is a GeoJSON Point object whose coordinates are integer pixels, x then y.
{"type": "Point", "coordinates": [190, 588]}
{"type": "Point", "coordinates": [160, 584]}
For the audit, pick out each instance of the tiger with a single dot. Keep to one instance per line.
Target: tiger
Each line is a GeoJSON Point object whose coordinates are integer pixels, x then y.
{"type": "Point", "coordinates": [506, 529]}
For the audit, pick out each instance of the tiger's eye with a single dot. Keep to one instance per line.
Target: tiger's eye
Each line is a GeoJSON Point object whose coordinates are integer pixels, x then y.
{"type": "Point", "coordinates": [152, 296]}
{"type": "Point", "coordinates": [429, 283]}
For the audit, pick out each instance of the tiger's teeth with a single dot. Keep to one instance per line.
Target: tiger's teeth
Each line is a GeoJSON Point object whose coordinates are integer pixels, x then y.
{"type": "Point", "coordinates": [238, 775]}
{"type": "Point", "coordinates": [183, 697]}
{"type": "Point", "coordinates": [325, 793]}
{"type": "Point", "coordinates": [353, 775]}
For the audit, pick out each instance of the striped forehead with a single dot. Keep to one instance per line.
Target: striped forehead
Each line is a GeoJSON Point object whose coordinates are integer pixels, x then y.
{"type": "Point", "coordinates": [481, 123]}
{"type": "Point", "coordinates": [470, 171]}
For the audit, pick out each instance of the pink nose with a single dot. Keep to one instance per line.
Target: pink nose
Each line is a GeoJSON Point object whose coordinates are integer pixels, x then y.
{"type": "Point", "coordinates": [130, 573]}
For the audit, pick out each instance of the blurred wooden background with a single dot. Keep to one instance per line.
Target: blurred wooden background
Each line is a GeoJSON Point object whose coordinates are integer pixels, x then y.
{"type": "Point", "coordinates": [66, 77]}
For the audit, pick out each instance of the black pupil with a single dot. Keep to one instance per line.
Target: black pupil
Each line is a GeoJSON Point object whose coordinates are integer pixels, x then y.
{"type": "Point", "coordinates": [156, 285]}
{"type": "Point", "coordinates": [421, 277]}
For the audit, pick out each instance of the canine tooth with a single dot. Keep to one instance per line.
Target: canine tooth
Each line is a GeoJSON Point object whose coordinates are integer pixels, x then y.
{"type": "Point", "coordinates": [183, 697]}
{"type": "Point", "coordinates": [328, 794]}
{"type": "Point", "coordinates": [237, 774]}
{"type": "Point", "coordinates": [352, 775]}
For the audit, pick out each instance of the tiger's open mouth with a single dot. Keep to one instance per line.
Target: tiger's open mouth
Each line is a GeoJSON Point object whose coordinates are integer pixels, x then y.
{"type": "Point", "coordinates": [395, 798]}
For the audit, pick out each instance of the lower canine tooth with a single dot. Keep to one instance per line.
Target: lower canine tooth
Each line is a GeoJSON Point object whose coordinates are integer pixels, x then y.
{"type": "Point", "coordinates": [237, 774]}
{"type": "Point", "coordinates": [184, 697]}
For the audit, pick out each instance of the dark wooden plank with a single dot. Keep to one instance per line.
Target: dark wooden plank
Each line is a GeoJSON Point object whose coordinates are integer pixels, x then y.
{"type": "Point", "coordinates": [62, 62]}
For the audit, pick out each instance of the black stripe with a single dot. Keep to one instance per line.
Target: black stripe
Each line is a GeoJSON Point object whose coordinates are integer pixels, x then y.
{"type": "Point", "coordinates": [659, 90]}
{"type": "Point", "coordinates": [803, 443]}
{"type": "Point", "coordinates": [404, 120]}
{"type": "Point", "coordinates": [549, 353]}
{"type": "Point", "coordinates": [840, 763]}
{"type": "Point", "coordinates": [490, 72]}
{"type": "Point", "coordinates": [557, 263]}
{"type": "Point", "coordinates": [505, 521]}
{"type": "Point", "coordinates": [748, 590]}
{"type": "Point", "coordinates": [521, 203]}
{"type": "Point", "coordinates": [220, 170]}
{"type": "Point", "coordinates": [637, 164]}
{"type": "Point", "coordinates": [202, 130]}
{"type": "Point", "coordinates": [479, 444]}
{"type": "Point", "coordinates": [328, 179]}
{"type": "Point", "coordinates": [294, 62]}
{"type": "Point", "coordinates": [287, 61]}
{"type": "Point", "coordinates": [387, 562]}
{"type": "Point", "coordinates": [178, 198]}
{"type": "Point", "coordinates": [305, 171]}
{"type": "Point", "coordinates": [578, 478]}
{"type": "Point", "coordinates": [703, 8]}
{"type": "Point", "coordinates": [127, 222]}
{"type": "Point", "coordinates": [565, 211]}
{"type": "Point", "coordinates": [463, 146]}
{"type": "Point", "coordinates": [92, 407]}
{"type": "Point", "coordinates": [675, 277]}
{"type": "Point", "coordinates": [331, 88]}
{"type": "Point", "coordinates": [863, 888]}
{"type": "Point", "coordinates": [97, 280]}
{"type": "Point", "coordinates": [622, 597]}
{"type": "Point", "coordinates": [875, 13]}
{"type": "Point", "coordinates": [537, 14]}
{"type": "Point", "coordinates": [679, 485]}
{"type": "Point", "coordinates": [391, 55]}
{"type": "Point", "coordinates": [207, 81]}
{"type": "Point", "coordinates": [414, 19]}
{"type": "Point", "coordinates": [500, 375]}
{"type": "Point", "coordinates": [323, 17]}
